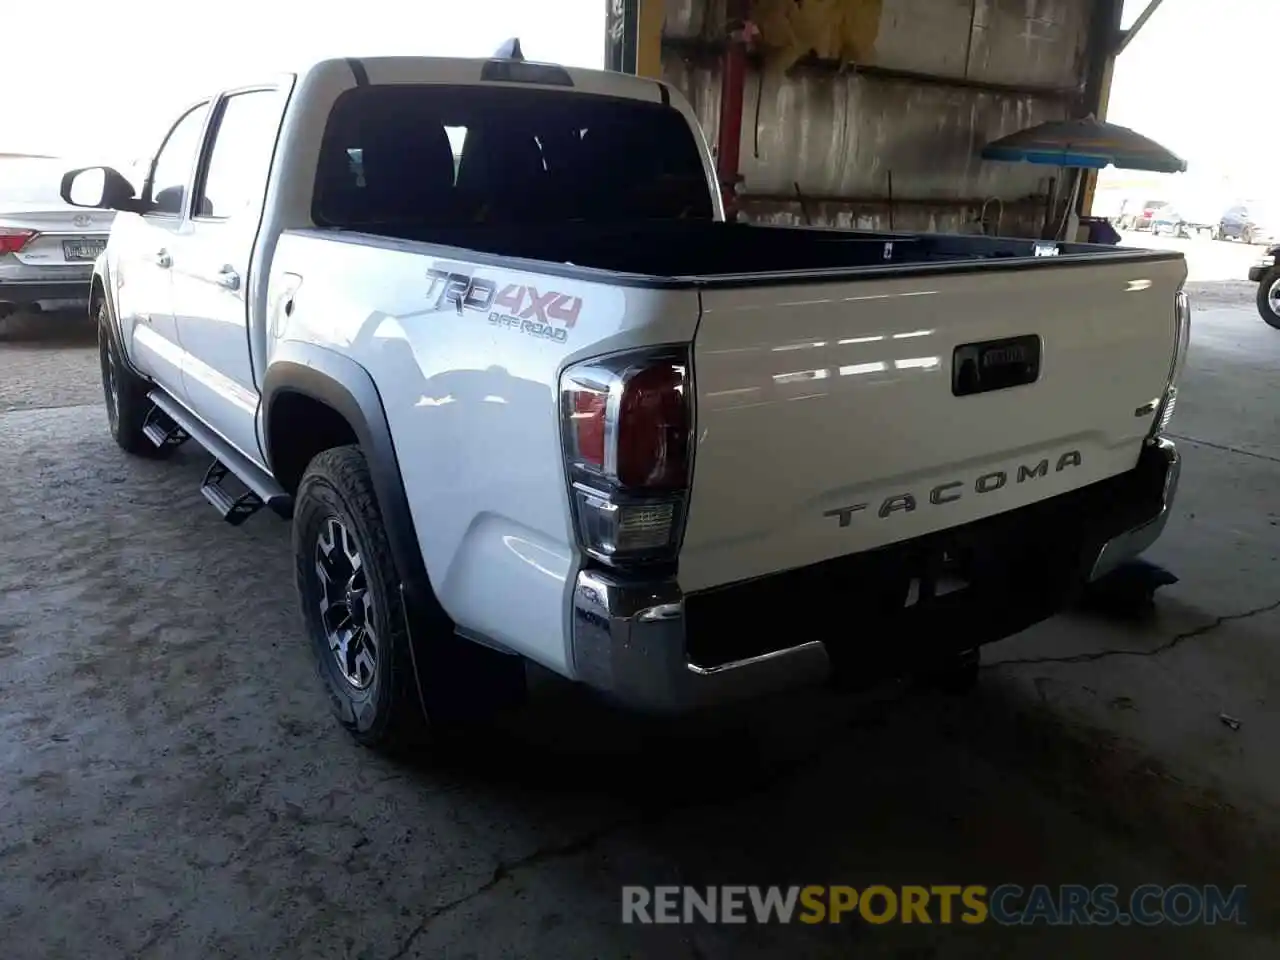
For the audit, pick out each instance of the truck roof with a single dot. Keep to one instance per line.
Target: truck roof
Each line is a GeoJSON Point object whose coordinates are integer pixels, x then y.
{"type": "Point", "coordinates": [344, 71]}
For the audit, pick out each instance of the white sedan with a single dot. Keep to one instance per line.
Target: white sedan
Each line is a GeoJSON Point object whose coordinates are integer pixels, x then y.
{"type": "Point", "coordinates": [47, 248]}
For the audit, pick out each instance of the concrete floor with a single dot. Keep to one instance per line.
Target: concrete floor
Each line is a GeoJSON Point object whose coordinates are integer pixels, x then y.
{"type": "Point", "coordinates": [174, 787]}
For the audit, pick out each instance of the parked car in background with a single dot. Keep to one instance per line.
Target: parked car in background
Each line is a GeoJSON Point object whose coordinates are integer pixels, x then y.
{"type": "Point", "coordinates": [1167, 221]}
{"type": "Point", "coordinates": [1250, 222]}
{"type": "Point", "coordinates": [1139, 216]}
{"type": "Point", "coordinates": [47, 248]}
{"type": "Point", "coordinates": [1266, 274]}
{"type": "Point", "coordinates": [1189, 217]}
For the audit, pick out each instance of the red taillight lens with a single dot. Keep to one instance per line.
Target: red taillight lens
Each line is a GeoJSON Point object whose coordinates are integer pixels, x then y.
{"type": "Point", "coordinates": [12, 240]}
{"type": "Point", "coordinates": [653, 430]}
{"type": "Point", "coordinates": [588, 418]}
{"type": "Point", "coordinates": [627, 425]}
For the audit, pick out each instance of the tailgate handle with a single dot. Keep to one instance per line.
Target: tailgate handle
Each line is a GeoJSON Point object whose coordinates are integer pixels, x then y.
{"type": "Point", "coordinates": [995, 365]}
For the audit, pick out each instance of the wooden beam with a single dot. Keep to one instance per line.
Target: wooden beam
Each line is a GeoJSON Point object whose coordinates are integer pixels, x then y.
{"type": "Point", "coordinates": [649, 21]}
{"type": "Point", "coordinates": [702, 50]}
{"type": "Point", "coordinates": [1126, 36]}
{"type": "Point", "coordinates": [877, 201]}
{"type": "Point", "coordinates": [1101, 64]}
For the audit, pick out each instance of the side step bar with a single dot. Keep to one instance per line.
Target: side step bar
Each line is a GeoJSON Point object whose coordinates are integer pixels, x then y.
{"type": "Point", "coordinates": [162, 431]}
{"type": "Point", "coordinates": [261, 488]}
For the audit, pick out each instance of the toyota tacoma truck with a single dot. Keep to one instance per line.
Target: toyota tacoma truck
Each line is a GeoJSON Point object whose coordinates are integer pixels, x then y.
{"type": "Point", "coordinates": [480, 329]}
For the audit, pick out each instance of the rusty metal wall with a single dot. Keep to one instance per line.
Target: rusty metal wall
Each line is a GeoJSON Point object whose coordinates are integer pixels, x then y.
{"type": "Point", "coordinates": [945, 77]}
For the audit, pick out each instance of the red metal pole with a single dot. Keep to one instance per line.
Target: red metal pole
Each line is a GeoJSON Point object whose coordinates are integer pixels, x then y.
{"type": "Point", "coordinates": [733, 81]}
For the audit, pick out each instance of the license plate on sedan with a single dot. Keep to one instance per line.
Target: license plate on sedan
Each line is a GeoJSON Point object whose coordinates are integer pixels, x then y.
{"type": "Point", "coordinates": [83, 249]}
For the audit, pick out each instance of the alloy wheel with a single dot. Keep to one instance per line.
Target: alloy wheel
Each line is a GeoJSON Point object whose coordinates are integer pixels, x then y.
{"type": "Point", "coordinates": [1273, 296]}
{"type": "Point", "coordinates": [111, 382]}
{"type": "Point", "coordinates": [346, 604]}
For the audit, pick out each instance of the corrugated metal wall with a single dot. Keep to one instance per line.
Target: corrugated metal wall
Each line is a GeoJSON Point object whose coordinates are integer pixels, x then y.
{"type": "Point", "coordinates": [942, 78]}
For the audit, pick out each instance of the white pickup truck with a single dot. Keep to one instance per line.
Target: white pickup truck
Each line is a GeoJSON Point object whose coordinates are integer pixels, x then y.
{"type": "Point", "coordinates": [480, 329]}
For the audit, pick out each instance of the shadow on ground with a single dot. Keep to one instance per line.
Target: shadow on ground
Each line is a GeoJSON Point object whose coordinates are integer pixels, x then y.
{"type": "Point", "coordinates": [53, 330]}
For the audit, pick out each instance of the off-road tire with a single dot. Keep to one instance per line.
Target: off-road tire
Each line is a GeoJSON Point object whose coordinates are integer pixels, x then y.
{"type": "Point", "coordinates": [388, 714]}
{"type": "Point", "coordinates": [124, 392]}
{"type": "Point", "coordinates": [1265, 310]}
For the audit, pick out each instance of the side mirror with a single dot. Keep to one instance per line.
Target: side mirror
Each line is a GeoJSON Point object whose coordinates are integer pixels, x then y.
{"type": "Point", "coordinates": [101, 188]}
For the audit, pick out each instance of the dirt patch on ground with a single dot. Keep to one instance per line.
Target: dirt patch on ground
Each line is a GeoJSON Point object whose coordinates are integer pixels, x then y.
{"type": "Point", "coordinates": [48, 360]}
{"type": "Point", "coordinates": [1222, 293]}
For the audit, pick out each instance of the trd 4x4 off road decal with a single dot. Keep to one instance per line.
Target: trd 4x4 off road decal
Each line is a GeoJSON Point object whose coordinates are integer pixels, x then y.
{"type": "Point", "coordinates": [549, 315]}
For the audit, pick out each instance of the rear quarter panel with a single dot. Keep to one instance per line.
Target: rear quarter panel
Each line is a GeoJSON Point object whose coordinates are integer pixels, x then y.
{"type": "Point", "coordinates": [471, 397]}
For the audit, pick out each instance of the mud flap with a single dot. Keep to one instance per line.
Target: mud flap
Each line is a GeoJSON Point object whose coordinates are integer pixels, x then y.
{"type": "Point", "coordinates": [459, 681]}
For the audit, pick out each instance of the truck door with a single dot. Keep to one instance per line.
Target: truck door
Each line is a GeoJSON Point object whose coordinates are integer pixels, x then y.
{"type": "Point", "coordinates": [212, 290]}
{"type": "Point", "coordinates": [144, 296]}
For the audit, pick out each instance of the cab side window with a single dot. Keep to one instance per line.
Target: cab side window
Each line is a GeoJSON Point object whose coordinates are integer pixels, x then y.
{"type": "Point", "coordinates": [235, 178]}
{"type": "Point", "coordinates": [172, 169]}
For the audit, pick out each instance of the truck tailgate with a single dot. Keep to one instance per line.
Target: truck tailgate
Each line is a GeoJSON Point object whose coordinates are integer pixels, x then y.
{"type": "Point", "coordinates": [830, 418]}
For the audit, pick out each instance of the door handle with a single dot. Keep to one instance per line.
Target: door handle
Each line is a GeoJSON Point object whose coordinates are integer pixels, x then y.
{"type": "Point", "coordinates": [163, 259]}
{"type": "Point", "coordinates": [228, 278]}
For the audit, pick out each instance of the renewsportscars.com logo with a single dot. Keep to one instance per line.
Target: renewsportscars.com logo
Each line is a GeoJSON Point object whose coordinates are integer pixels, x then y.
{"type": "Point", "coordinates": [1008, 904]}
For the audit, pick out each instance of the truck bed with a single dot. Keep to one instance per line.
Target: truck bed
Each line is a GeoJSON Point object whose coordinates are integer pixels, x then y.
{"type": "Point", "coordinates": [713, 251]}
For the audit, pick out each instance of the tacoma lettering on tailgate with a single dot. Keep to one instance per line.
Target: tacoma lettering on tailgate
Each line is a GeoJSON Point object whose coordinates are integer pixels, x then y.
{"type": "Point", "coordinates": [954, 490]}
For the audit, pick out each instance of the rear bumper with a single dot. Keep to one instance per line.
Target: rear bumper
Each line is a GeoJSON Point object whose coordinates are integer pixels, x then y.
{"type": "Point", "coordinates": [1165, 466]}
{"type": "Point", "coordinates": [1261, 268]}
{"type": "Point", "coordinates": [26, 292]}
{"type": "Point", "coordinates": [651, 647]}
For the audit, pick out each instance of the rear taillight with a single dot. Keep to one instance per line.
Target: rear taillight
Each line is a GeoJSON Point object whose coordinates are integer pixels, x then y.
{"type": "Point", "coordinates": [12, 239]}
{"type": "Point", "coordinates": [627, 422]}
{"type": "Point", "coordinates": [1181, 340]}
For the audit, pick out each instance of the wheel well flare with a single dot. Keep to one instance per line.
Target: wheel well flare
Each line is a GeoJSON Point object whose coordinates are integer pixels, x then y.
{"type": "Point", "coordinates": [298, 427]}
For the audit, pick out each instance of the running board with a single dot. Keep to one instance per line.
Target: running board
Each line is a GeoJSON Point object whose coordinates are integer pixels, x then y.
{"type": "Point", "coordinates": [163, 432]}
{"type": "Point", "coordinates": [261, 488]}
{"type": "Point", "coordinates": [233, 509]}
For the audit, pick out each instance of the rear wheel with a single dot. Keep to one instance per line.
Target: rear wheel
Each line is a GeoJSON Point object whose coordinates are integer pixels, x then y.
{"type": "Point", "coordinates": [354, 616]}
{"type": "Point", "coordinates": [1269, 297]}
{"type": "Point", "coordinates": [124, 392]}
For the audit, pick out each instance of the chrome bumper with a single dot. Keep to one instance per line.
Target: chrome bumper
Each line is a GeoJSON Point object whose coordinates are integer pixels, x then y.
{"type": "Point", "coordinates": [629, 639]}
{"type": "Point", "coordinates": [1132, 542]}
{"type": "Point", "coordinates": [629, 642]}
